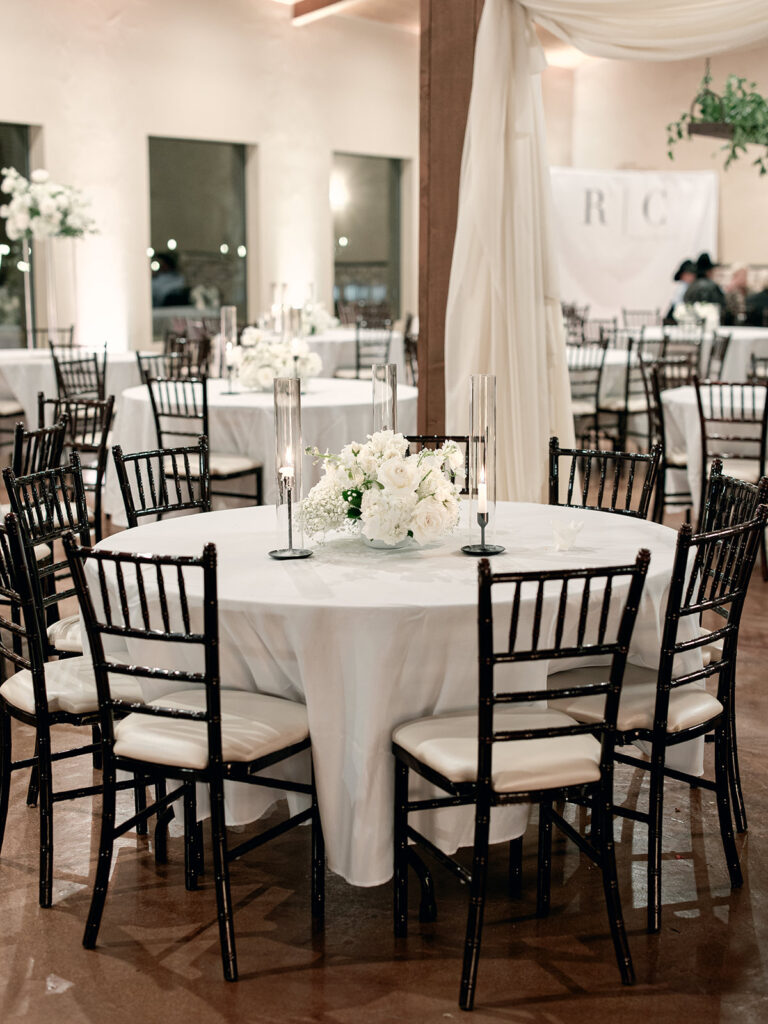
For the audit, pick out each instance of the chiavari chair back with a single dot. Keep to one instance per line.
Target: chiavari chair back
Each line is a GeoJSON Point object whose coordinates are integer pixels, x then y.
{"type": "Point", "coordinates": [516, 750]}
{"type": "Point", "coordinates": [606, 481]}
{"type": "Point", "coordinates": [596, 329]}
{"type": "Point", "coordinates": [373, 339]}
{"type": "Point", "coordinates": [718, 350]}
{"type": "Point", "coordinates": [161, 364]}
{"type": "Point", "coordinates": [162, 481]}
{"type": "Point", "coordinates": [664, 375]}
{"type": "Point", "coordinates": [585, 370]}
{"type": "Point", "coordinates": [81, 376]}
{"type": "Point", "coordinates": [639, 318]}
{"type": "Point", "coordinates": [35, 450]}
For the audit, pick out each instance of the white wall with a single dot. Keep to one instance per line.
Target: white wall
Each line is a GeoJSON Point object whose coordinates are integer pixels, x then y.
{"type": "Point", "coordinates": [619, 110]}
{"type": "Point", "coordinates": [101, 77]}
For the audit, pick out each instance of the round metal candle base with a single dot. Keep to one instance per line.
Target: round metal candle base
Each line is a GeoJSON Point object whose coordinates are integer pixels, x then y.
{"type": "Point", "coordinates": [283, 553]}
{"type": "Point", "coordinates": [482, 549]}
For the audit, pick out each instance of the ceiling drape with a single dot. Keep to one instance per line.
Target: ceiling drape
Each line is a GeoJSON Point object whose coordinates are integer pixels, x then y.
{"type": "Point", "coordinates": [503, 313]}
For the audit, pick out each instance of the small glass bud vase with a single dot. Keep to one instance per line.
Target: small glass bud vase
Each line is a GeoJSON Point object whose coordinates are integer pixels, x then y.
{"type": "Point", "coordinates": [482, 467]}
{"type": "Point", "coordinates": [384, 382]}
{"type": "Point", "coordinates": [288, 456]}
{"type": "Point", "coordinates": [228, 343]}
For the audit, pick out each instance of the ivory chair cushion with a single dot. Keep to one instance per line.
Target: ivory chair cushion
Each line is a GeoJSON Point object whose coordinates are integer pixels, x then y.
{"type": "Point", "coordinates": [634, 403]}
{"type": "Point", "coordinates": [688, 705]}
{"type": "Point", "coordinates": [252, 726]}
{"type": "Point", "coordinates": [583, 407]}
{"type": "Point", "coordinates": [69, 685]}
{"type": "Point", "coordinates": [65, 635]}
{"type": "Point", "coordinates": [448, 744]}
{"type": "Point", "coordinates": [10, 407]}
{"type": "Point", "coordinates": [219, 465]}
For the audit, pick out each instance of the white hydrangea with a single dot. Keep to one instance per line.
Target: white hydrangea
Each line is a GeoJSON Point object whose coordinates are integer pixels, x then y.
{"type": "Point", "coordinates": [41, 209]}
{"type": "Point", "coordinates": [260, 358]}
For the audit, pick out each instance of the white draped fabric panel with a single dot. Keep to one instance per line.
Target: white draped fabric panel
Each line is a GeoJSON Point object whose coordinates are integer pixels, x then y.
{"type": "Point", "coordinates": [503, 312]}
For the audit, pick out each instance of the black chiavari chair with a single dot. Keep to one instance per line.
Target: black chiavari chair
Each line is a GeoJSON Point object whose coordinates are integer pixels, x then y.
{"type": "Point", "coordinates": [89, 421]}
{"type": "Point", "coordinates": [608, 481]}
{"type": "Point", "coordinates": [195, 734]}
{"type": "Point", "coordinates": [81, 376]}
{"type": "Point", "coordinates": [60, 337]}
{"type": "Point", "coordinates": [686, 340]}
{"type": "Point", "coordinates": [49, 504]}
{"type": "Point", "coordinates": [718, 350]}
{"type": "Point", "coordinates": [665, 707]}
{"type": "Point", "coordinates": [180, 410]}
{"type": "Point", "coordinates": [596, 329]}
{"type": "Point", "coordinates": [585, 370]}
{"type": "Point", "coordinates": [41, 695]}
{"type": "Point", "coordinates": [167, 480]}
{"type": "Point", "coordinates": [418, 441]}
{"type": "Point", "coordinates": [637, 319]}
{"type": "Point", "coordinates": [373, 339]}
{"type": "Point", "coordinates": [411, 351]}
{"type": "Point", "coordinates": [619, 414]}
{"type": "Point", "coordinates": [194, 353]}
{"type": "Point", "coordinates": [511, 752]}
{"type": "Point", "coordinates": [733, 417]}
{"type": "Point", "coordinates": [161, 364]}
{"type": "Point", "coordinates": [665, 375]}
{"type": "Point", "coordinates": [758, 368]}
{"type": "Point", "coordinates": [35, 450]}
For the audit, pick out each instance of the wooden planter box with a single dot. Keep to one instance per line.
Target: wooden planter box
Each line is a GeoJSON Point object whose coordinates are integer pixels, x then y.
{"type": "Point", "coordinates": [715, 129]}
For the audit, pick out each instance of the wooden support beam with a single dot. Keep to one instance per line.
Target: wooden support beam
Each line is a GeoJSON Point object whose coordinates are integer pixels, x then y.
{"type": "Point", "coordinates": [305, 11]}
{"type": "Point", "coordinates": [448, 29]}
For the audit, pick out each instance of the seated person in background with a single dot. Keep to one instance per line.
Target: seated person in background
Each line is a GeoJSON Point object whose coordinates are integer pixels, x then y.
{"type": "Point", "coordinates": [736, 292]}
{"type": "Point", "coordinates": [704, 289]}
{"type": "Point", "coordinates": [169, 286]}
{"type": "Point", "coordinates": [757, 306]}
{"type": "Point", "coordinates": [686, 275]}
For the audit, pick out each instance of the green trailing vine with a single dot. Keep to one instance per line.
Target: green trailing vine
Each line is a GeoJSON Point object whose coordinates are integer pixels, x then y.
{"type": "Point", "coordinates": [740, 115]}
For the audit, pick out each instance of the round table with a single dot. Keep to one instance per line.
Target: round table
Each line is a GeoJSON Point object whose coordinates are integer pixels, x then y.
{"type": "Point", "coordinates": [745, 341]}
{"type": "Point", "coordinates": [369, 639]}
{"type": "Point", "coordinates": [336, 347]}
{"type": "Point", "coordinates": [333, 412]}
{"type": "Point", "coordinates": [614, 376]}
{"type": "Point", "coordinates": [24, 372]}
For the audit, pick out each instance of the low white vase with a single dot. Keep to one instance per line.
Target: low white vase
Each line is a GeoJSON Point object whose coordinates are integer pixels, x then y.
{"type": "Point", "coordinates": [382, 545]}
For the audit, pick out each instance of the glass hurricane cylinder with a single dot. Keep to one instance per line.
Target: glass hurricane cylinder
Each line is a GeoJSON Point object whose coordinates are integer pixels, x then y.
{"type": "Point", "coordinates": [288, 456]}
{"type": "Point", "coordinates": [384, 383]}
{"type": "Point", "coordinates": [228, 332]}
{"type": "Point", "coordinates": [482, 466]}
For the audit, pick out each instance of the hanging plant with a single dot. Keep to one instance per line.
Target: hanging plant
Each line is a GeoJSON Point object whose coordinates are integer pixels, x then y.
{"type": "Point", "coordinates": [740, 116]}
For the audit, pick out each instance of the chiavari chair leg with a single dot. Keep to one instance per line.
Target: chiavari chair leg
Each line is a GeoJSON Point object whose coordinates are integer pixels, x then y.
{"type": "Point", "coordinates": [602, 836]}
{"type": "Point", "coordinates": [96, 738]}
{"type": "Point", "coordinates": [6, 751]}
{"type": "Point", "coordinates": [724, 805]}
{"type": "Point", "coordinates": [734, 776]}
{"type": "Point", "coordinates": [661, 485]}
{"type": "Point", "coordinates": [161, 825]}
{"type": "Point", "coordinates": [516, 867]}
{"type": "Point", "coordinates": [140, 803]}
{"type": "Point", "coordinates": [544, 873]}
{"type": "Point", "coordinates": [190, 837]}
{"type": "Point", "coordinates": [476, 907]}
{"type": "Point", "coordinates": [104, 863]}
{"type": "Point", "coordinates": [655, 820]}
{"type": "Point", "coordinates": [221, 874]}
{"type": "Point", "coordinates": [46, 817]}
{"type": "Point", "coordinates": [400, 907]}
{"type": "Point", "coordinates": [34, 779]}
{"type": "Point", "coordinates": [318, 861]}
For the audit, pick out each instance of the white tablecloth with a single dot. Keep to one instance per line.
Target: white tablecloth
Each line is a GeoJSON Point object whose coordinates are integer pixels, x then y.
{"type": "Point", "coordinates": [333, 412]}
{"type": "Point", "coordinates": [369, 639]}
{"type": "Point", "coordinates": [613, 379]}
{"type": "Point", "coordinates": [24, 372]}
{"type": "Point", "coordinates": [336, 348]}
{"type": "Point", "coordinates": [744, 342]}
{"type": "Point", "coordinates": [683, 433]}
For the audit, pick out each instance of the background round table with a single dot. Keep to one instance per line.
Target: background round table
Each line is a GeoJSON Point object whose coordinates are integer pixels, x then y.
{"type": "Point", "coordinates": [745, 341]}
{"type": "Point", "coordinates": [333, 412]}
{"type": "Point", "coordinates": [24, 372]}
{"type": "Point", "coordinates": [336, 347]}
{"type": "Point", "coordinates": [369, 639]}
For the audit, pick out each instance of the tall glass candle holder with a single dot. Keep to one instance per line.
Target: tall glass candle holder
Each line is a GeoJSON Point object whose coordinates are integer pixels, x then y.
{"type": "Point", "coordinates": [384, 383]}
{"type": "Point", "coordinates": [288, 455]}
{"type": "Point", "coordinates": [228, 343]}
{"type": "Point", "coordinates": [482, 466]}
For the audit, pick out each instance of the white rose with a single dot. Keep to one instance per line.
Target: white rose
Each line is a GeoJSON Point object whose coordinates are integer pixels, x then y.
{"type": "Point", "coordinates": [430, 520]}
{"type": "Point", "coordinates": [264, 378]}
{"type": "Point", "coordinates": [386, 516]}
{"type": "Point", "coordinates": [399, 475]}
{"type": "Point", "coordinates": [250, 337]}
{"type": "Point", "coordinates": [39, 176]}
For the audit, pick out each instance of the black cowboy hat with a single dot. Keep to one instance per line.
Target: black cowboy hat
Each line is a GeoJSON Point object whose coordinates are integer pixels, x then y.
{"type": "Point", "coordinates": [686, 267]}
{"type": "Point", "coordinates": [704, 263]}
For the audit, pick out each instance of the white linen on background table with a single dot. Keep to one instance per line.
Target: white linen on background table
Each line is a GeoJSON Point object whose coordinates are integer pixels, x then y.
{"type": "Point", "coordinates": [24, 372]}
{"type": "Point", "coordinates": [336, 347]}
{"type": "Point", "coordinates": [614, 376]}
{"type": "Point", "coordinates": [683, 433]}
{"type": "Point", "coordinates": [745, 341]}
{"type": "Point", "coordinates": [369, 639]}
{"type": "Point", "coordinates": [333, 412]}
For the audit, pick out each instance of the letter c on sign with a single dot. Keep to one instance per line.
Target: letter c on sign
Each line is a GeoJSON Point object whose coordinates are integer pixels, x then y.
{"type": "Point", "coordinates": [659, 207]}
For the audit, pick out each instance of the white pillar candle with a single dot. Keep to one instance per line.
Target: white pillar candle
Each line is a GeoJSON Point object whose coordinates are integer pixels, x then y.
{"type": "Point", "coordinates": [482, 494]}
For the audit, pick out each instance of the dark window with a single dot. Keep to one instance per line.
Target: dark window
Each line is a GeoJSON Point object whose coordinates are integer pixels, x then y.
{"type": "Point", "coordinates": [14, 152]}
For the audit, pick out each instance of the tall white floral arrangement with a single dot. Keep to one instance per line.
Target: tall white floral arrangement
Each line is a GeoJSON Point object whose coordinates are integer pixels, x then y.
{"type": "Point", "coordinates": [379, 489]}
{"type": "Point", "coordinates": [315, 319]}
{"type": "Point", "coordinates": [39, 208]}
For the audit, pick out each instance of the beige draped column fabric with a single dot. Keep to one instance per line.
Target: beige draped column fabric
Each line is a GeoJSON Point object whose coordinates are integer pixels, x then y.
{"type": "Point", "coordinates": [503, 312]}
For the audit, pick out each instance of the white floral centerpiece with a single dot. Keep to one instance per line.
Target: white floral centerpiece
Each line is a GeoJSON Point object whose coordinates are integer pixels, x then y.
{"type": "Point", "coordinates": [315, 319]}
{"type": "Point", "coordinates": [696, 312]}
{"type": "Point", "coordinates": [39, 208]}
{"type": "Point", "coordinates": [380, 491]}
{"type": "Point", "coordinates": [260, 358]}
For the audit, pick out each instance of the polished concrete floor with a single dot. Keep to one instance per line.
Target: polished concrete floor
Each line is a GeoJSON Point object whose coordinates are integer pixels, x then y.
{"type": "Point", "coordinates": [158, 954]}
